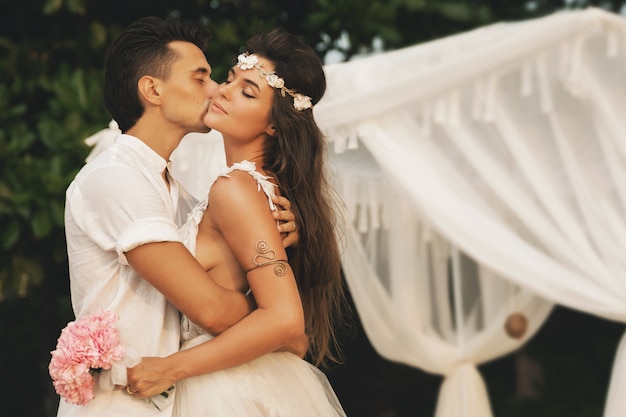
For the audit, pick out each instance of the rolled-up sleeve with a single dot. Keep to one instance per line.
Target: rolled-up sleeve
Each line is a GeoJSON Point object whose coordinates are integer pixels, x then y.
{"type": "Point", "coordinates": [121, 209]}
{"type": "Point", "coordinates": [145, 231]}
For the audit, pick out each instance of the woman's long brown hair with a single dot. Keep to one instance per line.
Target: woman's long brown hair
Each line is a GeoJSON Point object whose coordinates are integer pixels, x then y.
{"type": "Point", "coordinates": [297, 158]}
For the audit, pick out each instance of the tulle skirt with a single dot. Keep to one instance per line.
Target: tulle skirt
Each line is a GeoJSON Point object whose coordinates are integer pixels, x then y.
{"type": "Point", "coordinates": [275, 385]}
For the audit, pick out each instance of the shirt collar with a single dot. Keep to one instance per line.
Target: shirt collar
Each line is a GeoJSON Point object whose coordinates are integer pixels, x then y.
{"type": "Point", "coordinates": [149, 156]}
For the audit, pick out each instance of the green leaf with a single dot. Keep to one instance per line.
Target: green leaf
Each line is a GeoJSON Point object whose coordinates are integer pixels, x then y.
{"type": "Point", "coordinates": [41, 224]}
{"type": "Point", "coordinates": [52, 6]}
{"type": "Point", "coordinates": [27, 271]}
{"type": "Point", "coordinates": [76, 6]}
{"type": "Point", "coordinates": [15, 111]}
{"type": "Point", "coordinates": [57, 210]}
{"type": "Point", "coordinates": [10, 234]}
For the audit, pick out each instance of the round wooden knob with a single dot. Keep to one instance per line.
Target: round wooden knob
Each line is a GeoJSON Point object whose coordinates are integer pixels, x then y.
{"type": "Point", "coordinates": [516, 325]}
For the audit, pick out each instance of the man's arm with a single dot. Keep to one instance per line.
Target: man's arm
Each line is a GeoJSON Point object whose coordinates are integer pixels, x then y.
{"type": "Point", "coordinates": [164, 263]}
{"type": "Point", "coordinates": [172, 270]}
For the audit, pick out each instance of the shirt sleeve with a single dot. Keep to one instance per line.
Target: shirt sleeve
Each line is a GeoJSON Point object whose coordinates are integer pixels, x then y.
{"type": "Point", "coordinates": [120, 208]}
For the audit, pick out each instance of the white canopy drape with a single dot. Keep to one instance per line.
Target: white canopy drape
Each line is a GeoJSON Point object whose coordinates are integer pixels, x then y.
{"type": "Point", "coordinates": [483, 174]}
{"type": "Point", "coordinates": [507, 142]}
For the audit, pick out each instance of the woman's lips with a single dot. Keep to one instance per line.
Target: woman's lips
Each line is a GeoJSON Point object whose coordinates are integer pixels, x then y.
{"type": "Point", "coordinates": [216, 107]}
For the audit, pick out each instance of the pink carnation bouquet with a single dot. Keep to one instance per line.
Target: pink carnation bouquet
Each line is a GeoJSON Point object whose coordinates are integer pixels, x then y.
{"type": "Point", "coordinates": [86, 346]}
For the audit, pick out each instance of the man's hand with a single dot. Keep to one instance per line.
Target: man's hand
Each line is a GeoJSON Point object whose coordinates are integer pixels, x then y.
{"type": "Point", "coordinates": [287, 221]}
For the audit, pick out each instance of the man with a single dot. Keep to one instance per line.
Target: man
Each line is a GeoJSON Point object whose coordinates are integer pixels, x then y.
{"type": "Point", "coordinates": [123, 209]}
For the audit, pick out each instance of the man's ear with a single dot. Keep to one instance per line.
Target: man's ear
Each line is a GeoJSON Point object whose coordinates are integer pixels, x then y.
{"type": "Point", "coordinates": [148, 88]}
{"type": "Point", "coordinates": [271, 130]}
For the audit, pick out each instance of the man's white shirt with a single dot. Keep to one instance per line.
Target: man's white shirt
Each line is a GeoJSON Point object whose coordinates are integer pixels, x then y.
{"type": "Point", "coordinates": [119, 201]}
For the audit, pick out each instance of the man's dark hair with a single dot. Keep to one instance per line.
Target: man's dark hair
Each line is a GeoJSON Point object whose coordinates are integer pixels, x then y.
{"type": "Point", "coordinates": [142, 49]}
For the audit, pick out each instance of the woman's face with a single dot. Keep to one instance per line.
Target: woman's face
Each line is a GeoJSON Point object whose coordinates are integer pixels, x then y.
{"type": "Point", "coordinates": [241, 106]}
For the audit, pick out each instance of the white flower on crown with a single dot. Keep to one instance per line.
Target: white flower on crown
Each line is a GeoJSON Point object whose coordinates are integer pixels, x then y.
{"type": "Point", "coordinates": [275, 81]}
{"type": "Point", "coordinates": [301, 102]}
{"type": "Point", "coordinates": [247, 61]}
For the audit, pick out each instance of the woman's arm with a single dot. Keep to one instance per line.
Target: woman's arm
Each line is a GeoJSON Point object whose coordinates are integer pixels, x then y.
{"type": "Point", "coordinates": [298, 346]}
{"type": "Point", "coordinates": [242, 215]}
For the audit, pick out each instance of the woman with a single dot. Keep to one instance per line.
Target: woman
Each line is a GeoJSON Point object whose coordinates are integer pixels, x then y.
{"type": "Point", "coordinates": [279, 148]}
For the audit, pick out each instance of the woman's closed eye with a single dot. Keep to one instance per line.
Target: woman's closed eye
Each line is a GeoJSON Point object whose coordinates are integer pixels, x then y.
{"type": "Point", "coordinates": [245, 91]}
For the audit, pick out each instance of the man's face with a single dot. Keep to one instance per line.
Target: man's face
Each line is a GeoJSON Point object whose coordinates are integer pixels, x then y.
{"type": "Point", "coordinates": [186, 92]}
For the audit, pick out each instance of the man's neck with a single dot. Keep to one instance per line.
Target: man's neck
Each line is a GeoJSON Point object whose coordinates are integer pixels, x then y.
{"type": "Point", "coordinates": [163, 139]}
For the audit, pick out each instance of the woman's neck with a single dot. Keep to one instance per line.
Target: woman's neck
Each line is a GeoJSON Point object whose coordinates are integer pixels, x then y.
{"type": "Point", "coordinates": [237, 152]}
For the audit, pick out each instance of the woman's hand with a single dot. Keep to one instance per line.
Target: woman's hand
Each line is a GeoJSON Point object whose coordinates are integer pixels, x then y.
{"type": "Point", "coordinates": [152, 376]}
{"type": "Point", "coordinates": [286, 221]}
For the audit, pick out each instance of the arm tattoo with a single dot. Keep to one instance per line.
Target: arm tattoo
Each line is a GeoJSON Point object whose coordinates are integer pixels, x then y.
{"type": "Point", "coordinates": [266, 257]}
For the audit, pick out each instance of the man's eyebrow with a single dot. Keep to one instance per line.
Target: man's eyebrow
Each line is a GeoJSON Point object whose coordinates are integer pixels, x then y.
{"type": "Point", "coordinates": [202, 70]}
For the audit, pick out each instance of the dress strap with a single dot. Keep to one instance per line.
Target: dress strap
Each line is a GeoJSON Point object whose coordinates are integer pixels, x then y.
{"type": "Point", "coordinates": [263, 181]}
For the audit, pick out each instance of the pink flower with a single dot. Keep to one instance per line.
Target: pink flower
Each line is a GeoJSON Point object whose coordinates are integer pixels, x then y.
{"type": "Point", "coordinates": [85, 346]}
{"type": "Point", "coordinates": [75, 384]}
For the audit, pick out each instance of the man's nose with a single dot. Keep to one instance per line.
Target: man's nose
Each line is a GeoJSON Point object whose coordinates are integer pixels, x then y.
{"type": "Point", "coordinates": [212, 88]}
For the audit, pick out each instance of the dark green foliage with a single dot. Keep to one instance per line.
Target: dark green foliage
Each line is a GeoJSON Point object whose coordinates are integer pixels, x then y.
{"type": "Point", "coordinates": [51, 73]}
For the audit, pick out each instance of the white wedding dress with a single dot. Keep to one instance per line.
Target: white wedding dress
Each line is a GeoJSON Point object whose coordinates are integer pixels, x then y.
{"type": "Point", "coordinates": [277, 384]}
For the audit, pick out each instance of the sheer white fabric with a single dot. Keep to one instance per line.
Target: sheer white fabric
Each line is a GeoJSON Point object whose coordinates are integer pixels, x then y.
{"type": "Point", "coordinates": [483, 174]}
{"type": "Point", "coordinates": [506, 141]}
{"type": "Point", "coordinates": [427, 305]}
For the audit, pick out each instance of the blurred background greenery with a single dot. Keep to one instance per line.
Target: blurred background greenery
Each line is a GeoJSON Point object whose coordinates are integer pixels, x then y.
{"type": "Point", "coordinates": [51, 74]}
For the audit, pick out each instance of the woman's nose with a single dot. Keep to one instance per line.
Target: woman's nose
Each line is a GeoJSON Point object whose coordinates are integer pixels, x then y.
{"type": "Point", "coordinates": [223, 89]}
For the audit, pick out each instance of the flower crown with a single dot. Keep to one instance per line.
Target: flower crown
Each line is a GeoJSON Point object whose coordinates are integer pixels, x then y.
{"type": "Point", "coordinates": [247, 61]}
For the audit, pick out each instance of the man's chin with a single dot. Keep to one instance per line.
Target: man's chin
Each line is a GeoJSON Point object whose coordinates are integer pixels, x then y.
{"type": "Point", "coordinates": [202, 129]}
